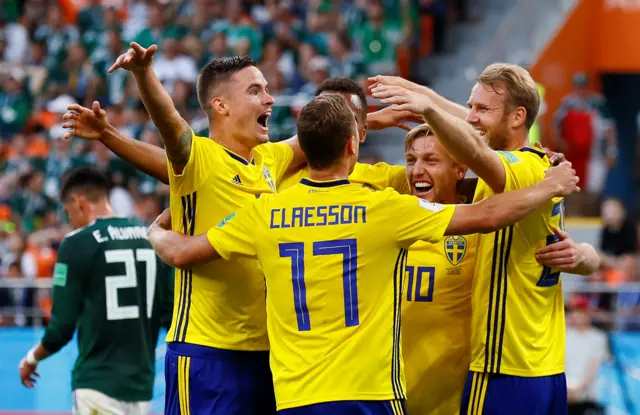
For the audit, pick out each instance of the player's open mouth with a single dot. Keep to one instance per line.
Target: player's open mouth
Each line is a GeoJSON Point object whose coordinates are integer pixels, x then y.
{"type": "Point", "coordinates": [263, 121]}
{"type": "Point", "coordinates": [422, 187]}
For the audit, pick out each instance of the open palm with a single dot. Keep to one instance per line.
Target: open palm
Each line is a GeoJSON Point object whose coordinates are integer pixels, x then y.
{"type": "Point", "coordinates": [85, 123]}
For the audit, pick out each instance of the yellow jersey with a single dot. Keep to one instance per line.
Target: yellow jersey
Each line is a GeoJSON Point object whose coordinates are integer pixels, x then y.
{"type": "Point", "coordinates": [377, 176]}
{"type": "Point", "coordinates": [214, 306]}
{"type": "Point", "coordinates": [518, 325]}
{"type": "Point", "coordinates": [436, 323]}
{"type": "Point", "coordinates": [333, 255]}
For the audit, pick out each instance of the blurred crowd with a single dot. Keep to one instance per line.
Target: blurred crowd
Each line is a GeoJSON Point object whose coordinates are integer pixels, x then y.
{"type": "Point", "coordinates": [54, 53]}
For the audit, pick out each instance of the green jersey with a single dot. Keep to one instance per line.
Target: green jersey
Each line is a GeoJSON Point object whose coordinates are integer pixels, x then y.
{"type": "Point", "coordinates": [110, 285]}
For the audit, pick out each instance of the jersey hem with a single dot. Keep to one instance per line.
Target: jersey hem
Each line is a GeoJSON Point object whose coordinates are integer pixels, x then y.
{"type": "Point", "coordinates": [224, 346]}
{"type": "Point", "coordinates": [336, 398]}
{"type": "Point", "coordinates": [520, 372]}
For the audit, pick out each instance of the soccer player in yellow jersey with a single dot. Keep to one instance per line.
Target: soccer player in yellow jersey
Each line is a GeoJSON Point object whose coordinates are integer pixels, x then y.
{"type": "Point", "coordinates": [217, 359]}
{"type": "Point", "coordinates": [517, 329]}
{"type": "Point", "coordinates": [436, 306]}
{"type": "Point", "coordinates": [333, 256]}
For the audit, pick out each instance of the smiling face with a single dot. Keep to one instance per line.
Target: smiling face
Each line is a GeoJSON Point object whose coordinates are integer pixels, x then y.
{"type": "Point", "coordinates": [488, 115]}
{"type": "Point", "coordinates": [248, 106]}
{"type": "Point", "coordinates": [431, 172]}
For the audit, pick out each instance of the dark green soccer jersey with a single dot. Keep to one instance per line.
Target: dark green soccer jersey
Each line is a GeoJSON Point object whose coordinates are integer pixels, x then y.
{"type": "Point", "coordinates": [110, 285]}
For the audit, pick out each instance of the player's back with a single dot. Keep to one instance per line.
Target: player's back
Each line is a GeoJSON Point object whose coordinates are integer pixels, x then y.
{"type": "Point", "coordinates": [518, 312]}
{"type": "Point", "coordinates": [126, 297]}
{"type": "Point", "coordinates": [333, 254]}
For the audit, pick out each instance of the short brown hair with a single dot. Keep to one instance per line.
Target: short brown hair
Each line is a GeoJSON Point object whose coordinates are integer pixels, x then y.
{"type": "Point", "coordinates": [520, 88]}
{"type": "Point", "coordinates": [218, 71]}
{"type": "Point", "coordinates": [422, 130]}
{"type": "Point", "coordinates": [324, 126]}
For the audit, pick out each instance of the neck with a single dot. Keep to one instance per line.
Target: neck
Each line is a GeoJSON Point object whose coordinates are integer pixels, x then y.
{"type": "Point", "coordinates": [332, 173]}
{"type": "Point", "coordinates": [219, 133]}
{"type": "Point", "coordinates": [453, 199]}
{"type": "Point", "coordinates": [100, 210]}
{"type": "Point", "coordinates": [518, 140]}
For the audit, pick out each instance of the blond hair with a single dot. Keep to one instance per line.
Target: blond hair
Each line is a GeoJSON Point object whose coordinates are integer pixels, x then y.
{"type": "Point", "coordinates": [520, 88]}
{"type": "Point", "coordinates": [422, 130]}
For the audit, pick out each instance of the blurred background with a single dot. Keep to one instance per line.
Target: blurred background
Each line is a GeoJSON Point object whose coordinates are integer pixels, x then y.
{"type": "Point", "coordinates": [584, 54]}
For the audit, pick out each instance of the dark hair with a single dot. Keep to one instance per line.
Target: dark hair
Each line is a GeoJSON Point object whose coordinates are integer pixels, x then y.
{"type": "Point", "coordinates": [217, 71]}
{"type": "Point", "coordinates": [324, 126]}
{"type": "Point", "coordinates": [87, 181]}
{"type": "Point", "coordinates": [345, 86]}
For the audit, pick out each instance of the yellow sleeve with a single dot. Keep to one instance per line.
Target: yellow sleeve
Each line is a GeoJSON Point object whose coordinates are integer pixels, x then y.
{"type": "Point", "coordinates": [235, 236]}
{"type": "Point", "coordinates": [282, 155]}
{"type": "Point", "coordinates": [201, 164]}
{"type": "Point", "coordinates": [398, 180]}
{"type": "Point", "coordinates": [381, 176]}
{"type": "Point", "coordinates": [522, 168]}
{"type": "Point", "coordinates": [415, 219]}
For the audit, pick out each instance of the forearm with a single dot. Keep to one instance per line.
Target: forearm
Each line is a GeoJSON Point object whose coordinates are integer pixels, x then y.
{"type": "Point", "coordinates": [466, 146]}
{"type": "Point", "coordinates": [40, 353]}
{"type": "Point", "coordinates": [181, 251]}
{"type": "Point", "coordinates": [145, 157]}
{"type": "Point", "coordinates": [174, 130]}
{"type": "Point", "coordinates": [449, 106]}
{"type": "Point", "coordinates": [57, 334]}
{"type": "Point", "coordinates": [507, 208]}
{"type": "Point", "coordinates": [591, 262]}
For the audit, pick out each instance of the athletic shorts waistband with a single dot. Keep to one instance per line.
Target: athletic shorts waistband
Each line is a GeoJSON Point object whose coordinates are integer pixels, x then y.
{"type": "Point", "coordinates": [208, 352]}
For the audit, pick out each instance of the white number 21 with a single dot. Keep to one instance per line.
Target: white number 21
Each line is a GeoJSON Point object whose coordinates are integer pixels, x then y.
{"type": "Point", "coordinates": [129, 280]}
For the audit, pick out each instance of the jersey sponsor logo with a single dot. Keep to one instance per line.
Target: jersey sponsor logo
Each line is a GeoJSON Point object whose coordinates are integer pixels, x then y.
{"type": "Point", "coordinates": [511, 158]}
{"type": "Point", "coordinates": [433, 207]}
{"type": "Point", "coordinates": [267, 176]}
{"type": "Point", "coordinates": [225, 220]}
{"type": "Point", "coordinates": [60, 274]}
{"type": "Point", "coordinates": [236, 180]}
{"type": "Point", "coordinates": [454, 249]}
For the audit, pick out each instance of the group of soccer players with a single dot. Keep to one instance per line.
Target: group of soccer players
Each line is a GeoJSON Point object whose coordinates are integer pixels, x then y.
{"type": "Point", "coordinates": [479, 318]}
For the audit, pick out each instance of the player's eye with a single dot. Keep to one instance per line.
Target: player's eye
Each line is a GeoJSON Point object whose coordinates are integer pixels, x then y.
{"type": "Point", "coordinates": [254, 92]}
{"type": "Point", "coordinates": [411, 161]}
{"type": "Point", "coordinates": [432, 161]}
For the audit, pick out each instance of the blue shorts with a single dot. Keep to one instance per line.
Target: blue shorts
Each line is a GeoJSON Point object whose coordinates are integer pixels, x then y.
{"type": "Point", "coordinates": [350, 408]}
{"type": "Point", "coordinates": [490, 394]}
{"type": "Point", "coordinates": [207, 380]}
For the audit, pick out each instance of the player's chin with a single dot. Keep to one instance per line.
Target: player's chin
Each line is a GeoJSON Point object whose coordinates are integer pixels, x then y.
{"type": "Point", "coordinates": [262, 135]}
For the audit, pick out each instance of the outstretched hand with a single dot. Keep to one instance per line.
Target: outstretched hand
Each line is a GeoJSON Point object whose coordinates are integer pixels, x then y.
{"type": "Point", "coordinates": [388, 117]}
{"type": "Point", "coordinates": [402, 99]}
{"type": "Point", "coordinates": [394, 81]}
{"type": "Point", "coordinates": [135, 59]}
{"type": "Point", "coordinates": [84, 122]}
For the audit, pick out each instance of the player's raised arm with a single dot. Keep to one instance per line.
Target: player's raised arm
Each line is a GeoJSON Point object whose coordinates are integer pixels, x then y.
{"type": "Point", "coordinates": [460, 140]}
{"type": "Point", "coordinates": [457, 110]}
{"type": "Point", "coordinates": [92, 124]}
{"type": "Point", "coordinates": [174, 130]}
{"type": "Point", "coordinates": [505, 209]}
{"type": "Point", "coordinates": [566, 255]}
{"type": "Point", "coordinates": [176, 249]}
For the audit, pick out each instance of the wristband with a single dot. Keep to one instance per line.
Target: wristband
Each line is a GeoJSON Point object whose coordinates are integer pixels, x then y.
{"type": "Point", "coordinates": [31, 358]}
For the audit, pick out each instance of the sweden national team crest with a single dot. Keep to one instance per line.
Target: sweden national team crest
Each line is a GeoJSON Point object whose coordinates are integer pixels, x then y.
{"type": "Point", "coordinates": [267, 176]}
{"type": "Point", "coordinates": [454, 248]}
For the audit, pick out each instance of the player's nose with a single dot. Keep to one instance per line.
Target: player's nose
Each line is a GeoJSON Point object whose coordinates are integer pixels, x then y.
{"type": "Point", "coordinates": [268, 99]}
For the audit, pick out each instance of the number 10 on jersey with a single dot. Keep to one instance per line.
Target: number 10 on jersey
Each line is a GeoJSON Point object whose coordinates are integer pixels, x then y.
{"type": "Point", "coordinates": [348, 248]}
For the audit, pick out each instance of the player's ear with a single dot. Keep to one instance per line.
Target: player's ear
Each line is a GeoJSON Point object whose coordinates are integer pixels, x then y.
{"type": "Point", "coordinates": [461, 171]}
{"type": "Point", "coordinates": [363, 133]}
{"type": "Point", "coordinates": [219, 106]}
{"type": "Point", "coordinates": [352, 145]}
{"type": "Point", "coordinates": [518, 117]}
